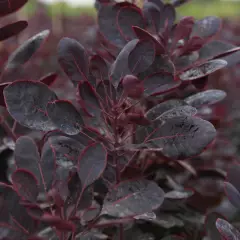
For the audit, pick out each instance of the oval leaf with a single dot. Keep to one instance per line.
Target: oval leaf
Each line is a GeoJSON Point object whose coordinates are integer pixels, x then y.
{"type": "Point", "coordinates": [126, 18]}
{"type": "Point", "coordinates": [159, 83]}
{"type": "Point", "coordinates": [141, 57]}
{"type": "Point", "coordinates": [108, 25]}
{"type": "Point", "coordinates": [144, 35]}
{"type": "Point", "coordinates": [26, 184]}
{"type": "Point", "coordinates": [120, 67]}
{"type": "Point", "coordinates": [232, 194]}
{"type": "Point", "coordinates": [73, 59]}
{"type": "Point", "coordinates": [65, 116]}
{"type": "Point", "coordinates": [207, 27]}
{"type": "Point", "coordinates": [178, 112]}
{"type": "Point", "coordinates": [163, 107]}
{"type": "Point", "coordinates": [132, 198]}
{"type": "Point", "coordinates": [183, 137]}
{"type": "Point", "coordinates": [203, 70]}
{"type": "Point", "coordinates": [89, 99]}
{"type": "Point", "coordinates": [91, 164]}
{"type": "Point", "coordinates": [27, 101]}
{"type": "Point", "coordinates": [227, 230]}
{"type": "Point", "coordinates": [22, 54]}
{"type": "Point", "coordinates": [207, 97]}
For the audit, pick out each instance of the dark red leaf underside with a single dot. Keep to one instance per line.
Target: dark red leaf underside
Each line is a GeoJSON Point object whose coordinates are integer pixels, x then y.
{"type": "Point", "coordinates": [10, 6]}
{"type": "Point", "coordinates": [12, 29]}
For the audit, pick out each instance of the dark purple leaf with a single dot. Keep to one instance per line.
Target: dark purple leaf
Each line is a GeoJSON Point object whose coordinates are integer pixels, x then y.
{"type": "Point", "coordinates": [183, 29]}
{"type": "Point", "coordinates": [120, 66]}
{"type": "Point", "coordinates": [73, 59]}
{"type": "Point", "coordinates": [89, 99]}
{"type": "Point", "coordinates": [126, 18]}
{"type": "Point", "coordinates": [98, 67]}
{"type": "Point", "coordinates": [65, 116]}
{"type": "Point", "coordinates": [233, 175]}
{"type": "Point", "coordinates": [12, 29]}
{"type": "Point", "coordinates": [2, 86]}
{"type": "Point", "coordinates": [132, 86]}
{"type": "Point", "coordinates": [207, 27]}
{"type": "Point", "coordinates": [144, 35]}
{"type": "Point", "coordinates": [91, 164]}
{"type": "Point", "coordinates": [232, 194]}
{"type": "Point", "coordinates": [210, 226]}
{"type": "Point", "coordinates": [203, 70]}
{"type": "Point", "coordinates": [159, 83]}
{"type": "Point", "coordinates": [108, 25]}
{"type": "Point", "coordinates": [163, 107]}
{"type": "Point", "coordinates": [27, 101]}
{"type": "Point", "coordinates": [205, 98]}
{"type": "Point", "coordinates": [27, 157]}
{"type": "Point", "coordinates": [178, 112]}
{"type": "Point", "coordinates": [214, 48]}
{"type": "Point", "coordinates": [26, 184]}
{"type": "Point", "coordinates": [23, 53]}
{"type": "Point", "coordinates": [131, 198]}
{"type": "Point", "coordinates": [141, 57]}
{"type": "Point", "coordinates": [168, 16]}
{"type": "Point", "coordinates": [7, 7]}
{"type": "Point", "coordinates": [49, 79]}
{"type": "Point", "coordinates": [233, 58]}
{"type": "Point", "coordinates": [227, 230]}
{"type": "Point", "coordinates": [182, 137]}
{"type": "Point", "coordinates": [152, 14]}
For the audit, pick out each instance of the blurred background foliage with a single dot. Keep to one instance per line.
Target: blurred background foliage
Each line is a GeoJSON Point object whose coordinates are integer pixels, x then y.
{"type": "Point", "coordinates": [196, 8]}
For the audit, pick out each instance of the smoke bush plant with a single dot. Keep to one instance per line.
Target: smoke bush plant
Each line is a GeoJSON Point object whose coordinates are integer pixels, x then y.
{"type": "Point", "coordinates": [138, 101]}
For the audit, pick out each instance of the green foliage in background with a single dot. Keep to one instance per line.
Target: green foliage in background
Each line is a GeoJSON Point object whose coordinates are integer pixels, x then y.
{"type": "Point", "coordinates": [197, 8]}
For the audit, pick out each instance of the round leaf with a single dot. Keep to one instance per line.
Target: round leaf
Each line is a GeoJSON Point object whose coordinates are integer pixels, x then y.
{"type": "Point", "coordinates": [207, 97]}
{"type": "Point", "coordinates": [183, 137]}
{"type": "Point", "coordinates": [203, 70]}
{"type": "Point", "coordinates": [27, 101]}
{"type": "Point", "coordinates": [132, 198]}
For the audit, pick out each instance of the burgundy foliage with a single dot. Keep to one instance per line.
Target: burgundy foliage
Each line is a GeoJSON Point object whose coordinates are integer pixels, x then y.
{"type": "Point", "coordinates": [123, 150]}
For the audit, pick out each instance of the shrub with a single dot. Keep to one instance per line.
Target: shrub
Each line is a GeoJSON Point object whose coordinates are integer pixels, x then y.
{"type": "Point", "coordinates": [92, 171]}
